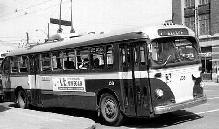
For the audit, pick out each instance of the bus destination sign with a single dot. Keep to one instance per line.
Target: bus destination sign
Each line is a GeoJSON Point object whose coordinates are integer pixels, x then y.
{"type": "Point", "coordinates": [173, 31]}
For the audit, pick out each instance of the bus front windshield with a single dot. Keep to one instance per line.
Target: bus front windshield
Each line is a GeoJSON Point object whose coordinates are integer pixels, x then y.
{"type": "Point", "coordinates": [173, 50]}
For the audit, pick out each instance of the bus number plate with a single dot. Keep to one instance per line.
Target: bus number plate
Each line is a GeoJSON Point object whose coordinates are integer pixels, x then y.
{"type": "Point", "coordinates": [168, 77]}
{"type": "Point", "coordinates": [182, 78]}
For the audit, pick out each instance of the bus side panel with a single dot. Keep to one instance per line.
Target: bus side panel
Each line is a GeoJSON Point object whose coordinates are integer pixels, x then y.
{"type": "Point", "coordinates": [99, 86]}
{"type": "Point", "coordinates": [168, 96]}
{"type": "Point", "coordinates": [8, 91]}
{"type": "Point", "coordinates": [78, 101]}
{"type": "Point", "coordinates": [88, 100]}
{"type": "Point", "coordinates": [45, 85]}
{"type": "Point", "coordinates": [48, 97]}
{"type": "Point", "coordinates": [94, 83]}
{"type": "Point", "coordinates": [11, 83]}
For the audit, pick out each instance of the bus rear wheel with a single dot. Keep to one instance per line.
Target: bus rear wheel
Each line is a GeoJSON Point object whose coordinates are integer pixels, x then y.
{"type": "Point", "coordinates": [22, 100]}
{"type": "Point", "coordinates": [109, 110]}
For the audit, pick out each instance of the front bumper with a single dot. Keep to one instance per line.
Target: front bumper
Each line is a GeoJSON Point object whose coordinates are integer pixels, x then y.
{"type": "Point", "coordinates": [178, 106]}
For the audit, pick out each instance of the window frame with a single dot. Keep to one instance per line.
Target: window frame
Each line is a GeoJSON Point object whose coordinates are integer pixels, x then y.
{"type": "Point", "coordinates": [14, 62]}
{"type": "Point", "coordinates": [42, 60]}
{"type": "Point", "coordinates": [27, 64]}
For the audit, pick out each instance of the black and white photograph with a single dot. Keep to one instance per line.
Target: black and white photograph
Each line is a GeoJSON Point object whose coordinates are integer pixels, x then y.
{"type": "Point", "coordinates": [109, 64]}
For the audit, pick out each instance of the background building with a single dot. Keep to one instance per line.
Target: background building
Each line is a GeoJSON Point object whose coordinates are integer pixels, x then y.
{"type": "Point", "coordinates": [202, 16]}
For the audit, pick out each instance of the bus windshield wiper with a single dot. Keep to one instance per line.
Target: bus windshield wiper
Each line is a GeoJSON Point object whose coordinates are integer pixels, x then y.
{"type": "Point", "coordinates": [165, 63]}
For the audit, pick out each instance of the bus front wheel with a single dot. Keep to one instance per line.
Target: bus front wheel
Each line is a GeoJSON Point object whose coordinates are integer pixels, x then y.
{"type": "Point", "coordinates": [22, 100]}
{"type": "Point", "coordinates": [109, 110]}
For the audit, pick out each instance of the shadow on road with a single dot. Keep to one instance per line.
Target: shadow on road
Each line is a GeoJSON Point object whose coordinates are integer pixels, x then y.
{"type": "Point", "coordinates": [164, 120]}
{"type": "Point", "coordinates": [3, 107]}
{"type": "Point", "coordinates": [69, 111]}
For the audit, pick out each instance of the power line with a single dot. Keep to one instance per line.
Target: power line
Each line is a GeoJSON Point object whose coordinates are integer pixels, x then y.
{"type": "Point", "coordinates": [25, 8]}
{"type": "Point", "coordinates": [26, 13]}
{"type": "Point", "coordinates": [9, 37]}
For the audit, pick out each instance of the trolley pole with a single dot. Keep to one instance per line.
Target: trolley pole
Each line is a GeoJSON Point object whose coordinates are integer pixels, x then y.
{"type": "Point", "coordinates": [27, 38]}
{"type": "Point", "coordinates": [48, 32]}
{"type": "Point", "coordinates": [72, 29]}
{"type": "Point", "coordinates": [60, 17]}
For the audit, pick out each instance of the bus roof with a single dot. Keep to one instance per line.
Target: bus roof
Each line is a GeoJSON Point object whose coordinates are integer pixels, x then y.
{"type": "Point", "coordinates": [90, 39]}
{"type": "Point", "coordinates": [152, 31]}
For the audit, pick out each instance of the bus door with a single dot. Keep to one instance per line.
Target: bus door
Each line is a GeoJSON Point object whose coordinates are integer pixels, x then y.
{"type": "Point", "coordinates": [134, 79]}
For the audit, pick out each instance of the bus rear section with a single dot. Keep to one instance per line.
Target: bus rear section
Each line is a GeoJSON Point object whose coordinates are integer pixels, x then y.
{"type": "Point", "coordinates": [174, 74]}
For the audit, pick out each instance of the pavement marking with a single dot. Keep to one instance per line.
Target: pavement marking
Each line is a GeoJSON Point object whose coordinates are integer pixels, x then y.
{"type": "Point", "coordinates": [199, 113]}
{"type": "Point", "coordinates": [210, 111]}
{"type": "Point", "coordinates": [213, 98]}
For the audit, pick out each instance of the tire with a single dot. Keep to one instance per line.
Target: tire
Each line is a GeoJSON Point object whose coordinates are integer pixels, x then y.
{"type": "Point", "coordinates": [22, 100]}
{"type": "Point", "coordinates": [109, 110]}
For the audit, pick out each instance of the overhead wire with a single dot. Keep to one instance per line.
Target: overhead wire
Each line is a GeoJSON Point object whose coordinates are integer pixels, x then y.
{"type": "Point", "coordinates": [24, 13]}
{"type": "Point", "coordinates": [25, 8]}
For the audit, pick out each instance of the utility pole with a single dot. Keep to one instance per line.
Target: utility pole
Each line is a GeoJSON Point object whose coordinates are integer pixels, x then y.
{"type": "Point", "coordinates": [60, 15]}
{"type": "Point", "coordinates": [72, 29]}
{"type": "Point", "coordinates": [27, 38]}
{"type": "Point", "coordinates": [196, 19]}
{"type": "Point", "coordinates": [48, 32]}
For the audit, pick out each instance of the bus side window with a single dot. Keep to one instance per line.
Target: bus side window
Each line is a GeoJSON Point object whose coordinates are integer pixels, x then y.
{"type": "Point", "coordinates": [123, 56]}
{"type": "Point", "coordinates": [6, 66]}
{"type": "Point", "coordinates": [57, 62]}
{"type": "Point", "coordinates": [45, 62]}
{"type": "Point", "coordinates": [34, 63]}
{"type": "Point", "coordinates": [83, 61]}
{"type": "Point", "coordinates": [97, 57]}
{"type": "Point", "coordinates": [109, 56]}
{"type": "Point", "coordinates": [69, 59]}
{"type": "Point", "coordinates": [23, 63]}
{"type": "Point", "coordinates": [14, 64]}
{"type": "Point", "coordinates": [142, 55]}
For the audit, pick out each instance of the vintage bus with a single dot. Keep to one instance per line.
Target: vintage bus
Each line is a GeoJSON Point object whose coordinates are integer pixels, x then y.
{"type": "Point", "coordinates": [142, 73]}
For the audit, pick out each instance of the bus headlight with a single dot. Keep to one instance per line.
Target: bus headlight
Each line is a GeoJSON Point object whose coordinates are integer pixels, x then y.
{"type": "Point", "coordinates": [202, 84]}
{"type": "Point", "coordinates": [159, 93]}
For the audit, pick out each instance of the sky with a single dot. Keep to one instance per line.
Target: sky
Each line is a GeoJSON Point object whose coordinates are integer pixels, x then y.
{"type": "Point", "coordinates": [18, 17]}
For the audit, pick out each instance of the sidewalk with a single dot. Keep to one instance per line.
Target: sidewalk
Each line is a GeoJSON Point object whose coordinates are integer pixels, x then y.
{"type": "Point", "coordinates": [17, 118]}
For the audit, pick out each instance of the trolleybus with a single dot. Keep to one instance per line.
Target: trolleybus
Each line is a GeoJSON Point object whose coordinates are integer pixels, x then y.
{"type": "Point", "coordinates": [140, 73]}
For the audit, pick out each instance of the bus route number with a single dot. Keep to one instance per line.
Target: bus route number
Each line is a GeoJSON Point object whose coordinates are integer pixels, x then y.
{"type": "Point", "coordinates": [182, 78]}
{"type": "Point", "coordinates": [168, 77]}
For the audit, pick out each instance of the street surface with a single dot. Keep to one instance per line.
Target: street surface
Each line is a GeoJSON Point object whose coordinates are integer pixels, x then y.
{"type": "Point", "coordinates": [16, 118]}
{"type": "Point", "coordinates": [204, 116]}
